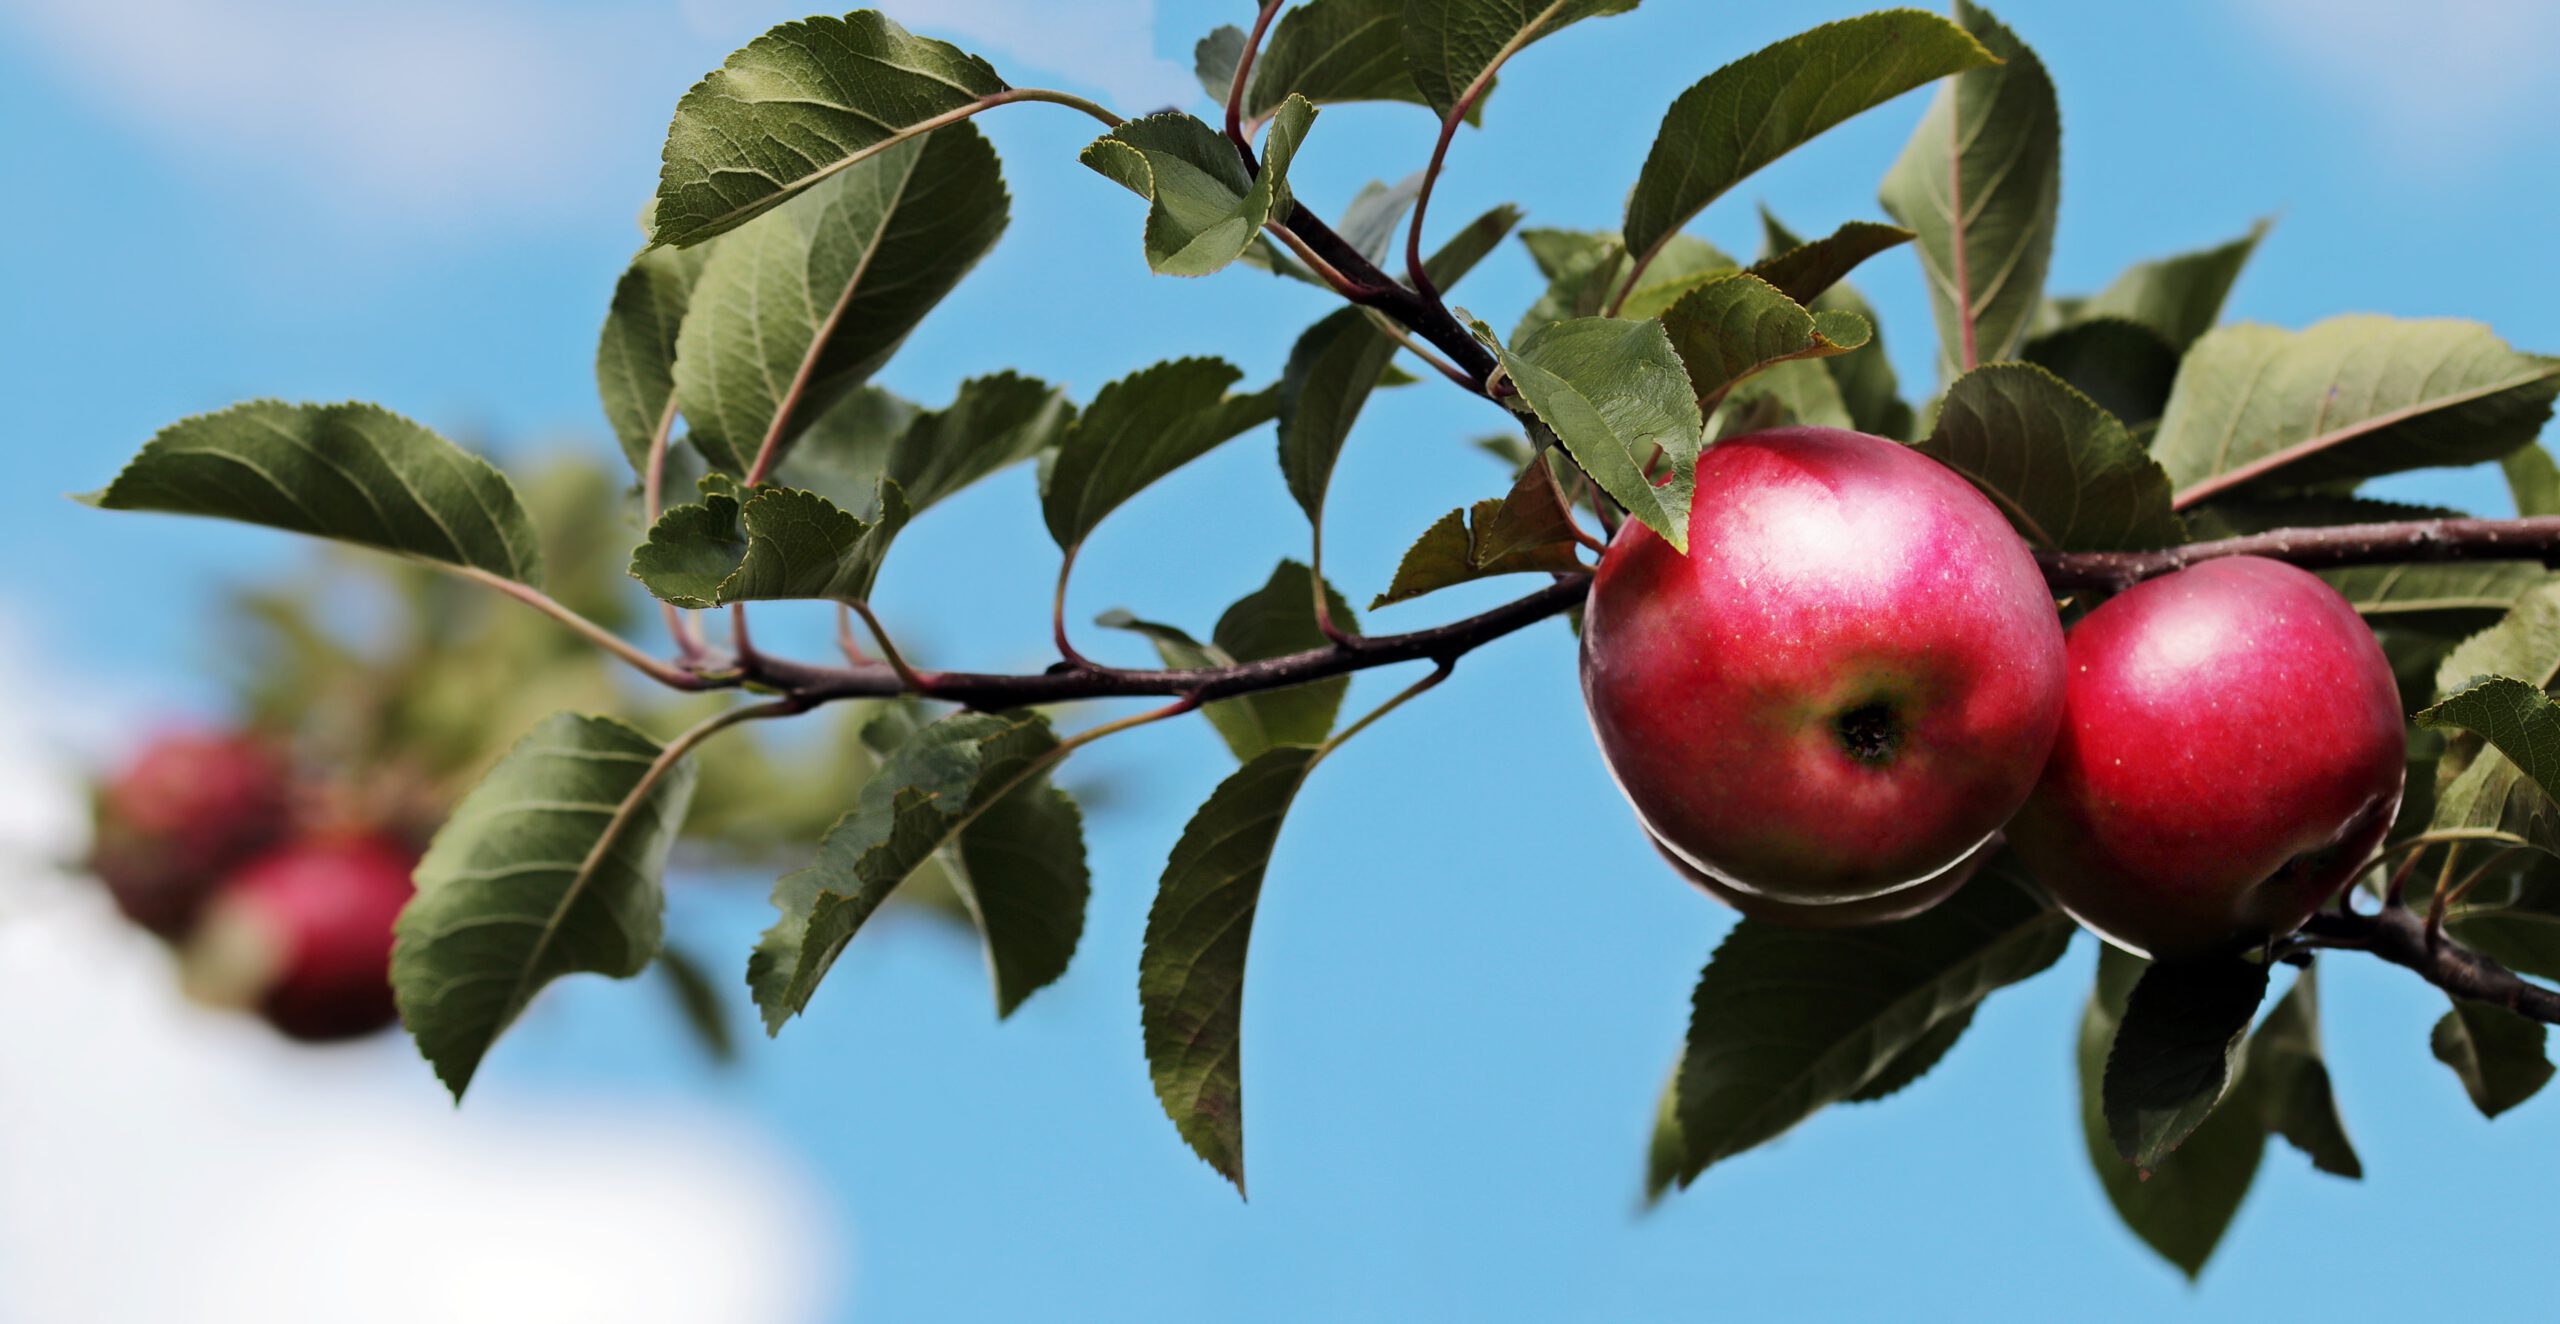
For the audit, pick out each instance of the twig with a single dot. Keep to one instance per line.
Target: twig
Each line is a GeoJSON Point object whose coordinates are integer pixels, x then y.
{"type": "Point", "coordinates": [2397, 935]}
{"type": "Point", "coordinates": [1244, 74]}
{"type": "Point", "coordinates": [2534, 539]}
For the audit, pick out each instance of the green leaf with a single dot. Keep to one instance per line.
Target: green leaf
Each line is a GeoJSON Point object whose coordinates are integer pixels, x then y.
{"type": "Point", "coordinates": [2178, 297]}
{"type": "Point", "coordinates": [1728, 329]}
{"type": "Point", "coordinates": [798, 106]}
{"type": "Point", "coordinates": [1449, 45]}
{"type": "Point", "coordinates": [2288, 1079]}
{"type": "Point", "coordinates": [2533, 479]}
{"type": "Point", "coordinates": [1529, 531]}
{"type": "Point", "coordinates": [1614, 391]}
{"type": "Point", "coordinates": [1204, 208]}
{"type": "Point", "coordinates": [802, 308]}
{"type": "Point", "coordinates": [1272, 621]}
{"type": "Point", "coordinates": [550, 866]}
{"type": "Point", "coordinates": [1980, 183]}
{"type": "Point", "coordinates": [1341, 359]}
{"type": "Point", "coordinates": [1766, 104]}
{"type": "Point", "coordinates": [2525, 642]}
{"type": "Point", "coordinates": [2436, 598]}
{"type": "Point", "coordinates": [1585, 267]}
{"type": "Point", "coordinates": [1786, 1021]}
{"type": "Point", "coordinates": [636, 355]}
{"type": "Point", "coordinates": [2497, 1053]}
{"type": "Point", "coordinates": [1137, 430]}
{"type": "Point", "coordinates": [922, 799]}
{"type": "Point", "coordinates": [354, 472]}
{"type": "Point", "coordinates": [2182, 1207]}
{"type": "Point", "coordinates": [1803, 272]}
{"type": "Point", "coordinates": [1327, 51]}
{"type": "Point", "coordinates": [2512, 916]}
{"type": "Point", "coordinates": [2352, 398]}
{"type": "Point", "coordinates": [1191, 970]}
{"type": "Point", "coordinates": [1869, 393]}
{"type": "Point", "coordinates": [1913, 1062]}
{"type": "Point", "coordinates": [1021, 872]}
{"type": "Point", "coordinates": [993, 423]}
{"type": "Point", "coordinates": [1375, 214]}
{"type": "Point", "coordinates": [1668, 1150]}
{"type": "Point", "coordinates": [1797, 393]}
{"type": "Point", "coordinates": [2125, 366]}
{"type": "Point", "coordinates": [783, 543]}
{"type": "Point", "coordinates": [2175, 1052]}
{"type": "Point", "coordinates": [698, 1002]}
{"type": "Point", "coordinates": [1213, 60]}
{"type": "Point", "coordinates": [2061, 468]}
{"type": "Point", "coordinates": [2516, 718]}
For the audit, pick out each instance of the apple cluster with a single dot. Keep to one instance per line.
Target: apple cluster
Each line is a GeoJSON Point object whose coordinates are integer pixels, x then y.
{"type": "Point", "coordinates": [208, 840]}
{"type": "Point", "coordinates": [1857, 682]}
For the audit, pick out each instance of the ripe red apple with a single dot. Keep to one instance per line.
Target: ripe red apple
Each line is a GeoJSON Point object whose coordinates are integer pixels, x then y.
{"type": "Point", "coordinates": [187, 810]}
{"type": "Point", "coordinates": [1848, 683]}
{"type": "Point", "coordinates": [304, 935]}
{"type": "Point", "coordinates": [2231, 753]}
{"type": "Point", "coordinates": [1902, 903]}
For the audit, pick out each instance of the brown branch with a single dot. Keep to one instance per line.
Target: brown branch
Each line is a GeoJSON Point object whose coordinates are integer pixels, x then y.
{"type": "Point", "coordinates": [2397, 935]}
{"type": "Point", "coordinates": [2535, 539]}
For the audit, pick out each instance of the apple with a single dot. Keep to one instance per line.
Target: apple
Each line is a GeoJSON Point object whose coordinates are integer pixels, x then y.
{"type": "Point", "coordinates": [1848, 683]}
{"type": "Point", "coordinates": [190, 807]}
{"type": "Point", "coordinates": [2232, 752]}
{"type": "Point", "coordinates": [1895, 905]}
{"type": "Point", "coordinates": [303, 934]}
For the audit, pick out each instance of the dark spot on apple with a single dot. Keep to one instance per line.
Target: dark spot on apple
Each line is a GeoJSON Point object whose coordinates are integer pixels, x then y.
{"type": "Point", "coordinates": [1871, 732]}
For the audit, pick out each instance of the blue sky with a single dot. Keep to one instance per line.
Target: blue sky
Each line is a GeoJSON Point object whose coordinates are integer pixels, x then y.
{"type": "Point", "coordinates": [1469, 972]}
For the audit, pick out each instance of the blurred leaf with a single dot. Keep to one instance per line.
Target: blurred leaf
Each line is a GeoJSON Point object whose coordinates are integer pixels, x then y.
{"type": "Point", "coordinates": [1375, 214]}
{"type": "Point", "coordinates": [1272, 621]}
{"type": "Point", "coordinates": [797, 106]}
{"type": "Point", "coordinates": [636, 355]}
{"type": "Point", "coordinates": [1796, 393]}
{"type": "Point", "coordinates": [2497, 1053]}
{"type": "Point", "coordinates": [2125, 366]}
{"type": "Point", "coordinates": [1450, 44]}
{"type": "Point", "coordinates": [2180, 297]}
{"type": "Point", "coordinates": [992, 423]}
{"type": "Point", "coordinates": [2533, 479]}
{"type": "Point", "coordinates": [1339, 360]}
{"type": "Point", "coordinates": [1528, 531]}
{"type": "Point", "coordinates": [1786, 1021]}
{"type": "Point", "coordinates": [1980, 183]}
{"type": "Point", "coordinates": [1766, 104]}
{"type": "Point", "coordinates": [1668, 1150]}
{"type": "Point", "coordinates": [2060, 467]}
{"type": "Point", "coordinates": [550, 866]}
{"type": "Point", "coordinates": [799, 310]}
{"type": "Point", "coordinates": [1191, 971]}
{"type": "Point", "coordinates": [2289, 1081]}
{"type": "Point", "coordinates": [2175, 1052]}
{"type": "Point", "coordinates": [1204, 208]}
{"type": "Point", "coordinates": [698, 1002]}
{"type": "Point", "coordinates": [1614, 391]}
{"type": "Point", "coordinates": [1725, 330]}
{"type": "Point", "coordinates": [1803, 272]}
{"type": "Point", "coordinates": [1913, 1062]}
{"type": "Point", "coordinates": [1213, 60]}
{"type": "Point", "coordinates": [2351, 398]}
{"type": "Point", "coordinates": [927, 791]}
{"type": "Point", "coordinates": [2182, 1207]}
{"type": "Point", "coordinates": [782, 544]}
{"type": "Point", "coordinates": [1137, 430]}
{"type": "Point", "coordinates": [354, 472]}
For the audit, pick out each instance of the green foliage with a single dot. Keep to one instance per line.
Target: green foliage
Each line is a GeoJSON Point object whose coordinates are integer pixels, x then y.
{"type": "Point", "coordinates": [991, 424]}
{"type": "Point", "coordinates": [2177, 298]}
{"type": "Point", "coordinates": [1585, 269]}
{"type": "Point", "coordinates": [2175, 1051]}
{"type": "Point", "coordinates": [551, 866]}
{"type": "Point", "coordinates": [636, 355]}
{"type": "Point", "coordinates": [1528, 531]}
{"type": "Point", "coordinates": [1204, 208]}
{"type": "Point", "coordinates": [1616, 394]}
{"type": "Point", "coordinates": [2533, 479]}
{"type": "Point", "coordinates": [1728, 329]}
{"type": "Point", "coordinates": [1137, 430]}
{"type": "Point", "coordinates": [1451, 46]}
{"type": "Point", "coordinates": [1805, 272]}
{"type": "Point", "coordinates": [1272, 621]}
{"type": "Point", "coordinates": [2061, 468]}
{"type": "Point", "coordinates": [2125, 366]}
{"type": "Point", "coordinates": [779, 543]}
{"type": "Point", "coordinates": [1870, 396]}
{"type": "Point", "coordinates": [2497, 1054]}
{"type": "Point", "coordinates": [2517, 719]}
{"type": "Point", "coordinates": [1324, 50]}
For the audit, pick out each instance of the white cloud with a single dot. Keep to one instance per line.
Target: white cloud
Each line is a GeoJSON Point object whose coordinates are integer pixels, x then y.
{"type": "Point", "coordinates": [2443, 81]}
{"type": "Point", "coordinates": [1104, 44]}
{"type": "Point", "coordinates": [160, 1162]}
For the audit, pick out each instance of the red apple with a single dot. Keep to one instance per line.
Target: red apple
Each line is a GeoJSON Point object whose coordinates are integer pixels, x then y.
{"type": "Point", "coordinates": [189, 808]}
{"type": "Point", "coordinates": [2231, 753]}
{"type": "Point", "coordinates": [304, 935]}
{"type": "Point", "coordinates": [1902, 903]}
{"type": "Point", "coordinates": [1848, 683]}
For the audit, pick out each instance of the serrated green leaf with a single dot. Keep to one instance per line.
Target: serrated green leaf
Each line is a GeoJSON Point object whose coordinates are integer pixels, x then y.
{"type": "Point", "coordinates": [2178, 297]}
{"type": "Point", "coordinates": [1139, 429]}
{"type": "Point", "coordinates": [1450, 44]}
{"type": "Point", "coordinates": [1272, 621]}
{"type": "Point", "coordinates": [1787, 1021]}
{"type": "Point", "coordinates": [636, 354]}
{"type": "Point", "coordinates": [2125, 366]}
{"type": "Point", "coordinates": [2533, 480]}
{"type": "Point", "coordinates": [2286, 1077]}
{"type": "Point", "coordinates": [2351, 398]}
{"type": "Point", "coordinates": [550, 866]}
{"type": "Point", "coordinates": [2525, 643]}
{"type": "Point", "coordinates": [1614, 391]}
{"type": "Point", "coordinates": [991, 424]}
{"type": "Point", "coordinates": [1528, 531]}
{"type": "Point", "coordinates": [354, 472]}
{"type": "Point", "coordinates": [1584, 268]}
{"type": "Point", "coordinates": [2516, 718]}
{"type": "Point", "coordinates": [1915, 1061]}
{"type": "Point", "coordinates": [1869, 392]}
{"type": "Point", "coordinates": [2175, 1052]}
{"type": "Point", "coordinates": [797, 106]}
{"type": "Point", "coordinates": [1020, 869]}
{"type": "Point", "coordinates": [1191, 969]}
{"type": "Point", "coordinates": [2497, 1053]}
{"type": "Point", "coordinates": [925, 795]}
{"type": "Point", "coordinates": [783, 543]}
{"type": "Point", "coordinates": [1766, 104]}
{"type": "Point", "coordinates": [2060, 467]}
{"type": "Point", "coordinates": [1341, 359]}
{"type": "Point", "coordinates": [1980, 183]}
{"type": "Point", "coordinates": [1327, 51]}
{"type": "Point", "coordinates": [1204, 207]}
{"type": "Point", "coordinates": [805, 306]}
{"type": "Point", "coordinates": [1725, 330]}
{"type": "Point", "coordinates": [2182, 1207]}
{"type": "Point", "coordinates": [1804, 272]}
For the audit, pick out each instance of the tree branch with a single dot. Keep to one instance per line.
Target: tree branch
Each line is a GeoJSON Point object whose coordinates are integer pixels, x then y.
{"type": "Point", "coordinates": [2397, 935]}
{"type": "Point", "coordinates": [2536, 539]}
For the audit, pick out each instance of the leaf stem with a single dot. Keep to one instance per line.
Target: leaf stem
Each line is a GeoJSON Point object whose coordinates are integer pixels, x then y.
{"type": "Point", "coordinates": [681, 626]}
{"type": "Point", "coordinates": [915, 681]}
{"type": "Point", "coordinates": [1244, 74]}
{"type": "Point", "coordinates": [671, 676]}
{"type": "Point", "coordinates": [1440, 669]}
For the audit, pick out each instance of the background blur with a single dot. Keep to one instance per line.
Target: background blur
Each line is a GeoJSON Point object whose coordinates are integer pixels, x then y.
{"type": "Point", "coordinates": [1461, 1011]}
